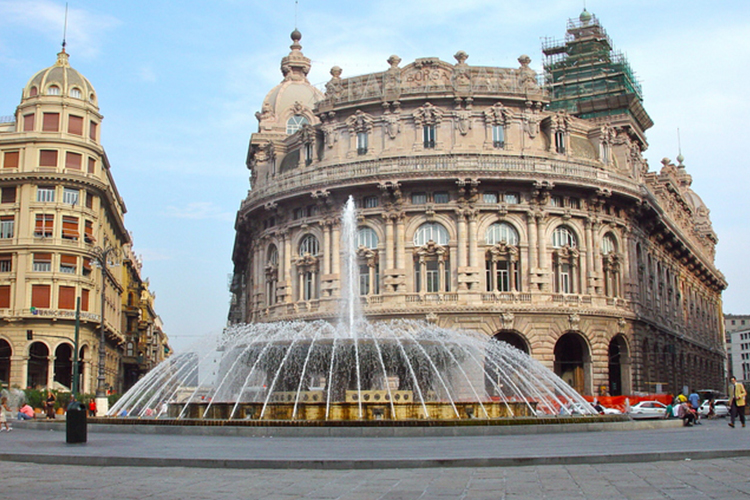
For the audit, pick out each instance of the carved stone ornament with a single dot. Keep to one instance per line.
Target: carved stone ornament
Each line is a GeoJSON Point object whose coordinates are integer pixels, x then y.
{"type": "Point", "coordinates": [575, 321]}
{"type": "Point", "coordinates": [497, 114]}
{"type": "Point", "coordinates": [329, 134]}
{"type": "Point", "coordinates": [531, 119]}
{"type": "Point", "coordinates": [391, 124]}
{"type": "Point", "coordinates": [431, 317]}
{"type": "Point", "coordinates": [527, 76]}
{"type": "Point", "coordinates": [428, 115]}
{"type": "Point", "coordinates": [621, 323]}
{"type": "Point", "coordinates": [334, 87]}
{"type": "Point", "coordinates": [359, 122]}
{"type": "Point", "coordinates": [463, 121]}
{"type": "Point", "coordinates": [507, 319]}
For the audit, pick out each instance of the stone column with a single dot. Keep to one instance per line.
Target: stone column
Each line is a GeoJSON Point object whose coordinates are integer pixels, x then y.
{"type": "Point", "coordinates": [461, 244]}
{"type": "Point", "coordinates": [51, 370]}
{"type": "Point", "coordinates": [336, 249]}
{"type": "Point", "coordinates": [587, 271]}
{"type": "Point", "coordinates": [388, 241]}
{"type": "Point", "coordinates": [326, 248]}
{"type": "Point", "coordinates": [287, 266]}
{"type": "Point", "coordinates": [531, 227]}
{"type": "Point", "coordinates": [541, 241]}
{"type": "Point", "coordinates": [400, 244]}
{"type": "Point", "coordinates": [473, 239]}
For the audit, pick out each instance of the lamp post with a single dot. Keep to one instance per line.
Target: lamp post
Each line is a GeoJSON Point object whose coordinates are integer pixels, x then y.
{"type": "Point", "coordinates": [101, 255]}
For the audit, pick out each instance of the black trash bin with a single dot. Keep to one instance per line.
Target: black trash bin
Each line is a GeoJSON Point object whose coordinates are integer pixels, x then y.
{"type": "Point", "coordinates": [75, 423]}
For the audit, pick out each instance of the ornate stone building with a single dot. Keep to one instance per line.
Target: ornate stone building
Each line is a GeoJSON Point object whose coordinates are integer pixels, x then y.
{"type": "Point", "coordinates": [488, 199]}
{"type": "Point", "coordinates": [61, 216]}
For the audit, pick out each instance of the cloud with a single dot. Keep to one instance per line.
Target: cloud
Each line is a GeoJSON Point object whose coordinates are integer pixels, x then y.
{"type": "Point", "coordinates": [47, 19]}
{"type": "Point", "coordinates": [199, 210]}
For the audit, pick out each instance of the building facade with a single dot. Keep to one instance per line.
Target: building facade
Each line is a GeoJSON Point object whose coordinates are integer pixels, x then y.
{"type": "Point", "coordinates": [62, 239]}
{"type": "Point", "coordinates": [488, 199]}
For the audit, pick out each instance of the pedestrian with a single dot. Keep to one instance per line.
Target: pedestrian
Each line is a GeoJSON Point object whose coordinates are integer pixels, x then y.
{"type": "Point", "coordinates": [50, 405]}
{"type": "Point", "coordinates": [26, 412]}
{"type": "Point", "coordinates": [686, 412]}
{"type": "Point", "coordinates": [711, 408]}
{"type": "Point", "coordinates": [695, 402]}
{"type": "Point", "coordinates": [3, 408]}
{"type": "Point", "coordinates": [92, 407]}
{"type": "Point", "coordinates": [737, 394]}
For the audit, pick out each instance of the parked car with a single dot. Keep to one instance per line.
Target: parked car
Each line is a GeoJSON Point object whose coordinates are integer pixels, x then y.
{"type": "Point", "coordinates": [578, 409]}
{"type": "Point", "coordinates": [648, 409]}
{"type": "Point", "coordinates": [721, 408]}
{"type": "Point", "coordinates": [611, 411]}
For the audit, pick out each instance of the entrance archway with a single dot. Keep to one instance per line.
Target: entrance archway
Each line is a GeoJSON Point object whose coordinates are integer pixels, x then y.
{"type": "Point", "coordinates": [38, 365]}
{"type": "Point", "coordinates": [5, 354]}
{"type": "Point", "coordinates": [513, 338]}
{"type": "Point", "coordinates": [64, 365]}
{"type": "Point", "coordinates": [572, 361]}
{"type": "Point", "coordinates": [619, 366]}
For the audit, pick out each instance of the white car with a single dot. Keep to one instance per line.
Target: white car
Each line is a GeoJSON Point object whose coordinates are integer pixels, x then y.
{"type": "Point", "coordinates": [648, 409]}
{"type": "Point", "coordinates": [611, 411]}
{"type": "Point", "coordinates": [721, 408]}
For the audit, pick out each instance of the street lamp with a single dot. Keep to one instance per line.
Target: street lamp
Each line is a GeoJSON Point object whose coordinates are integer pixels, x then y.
{"type": "Point", "coordinates": [101, 255]}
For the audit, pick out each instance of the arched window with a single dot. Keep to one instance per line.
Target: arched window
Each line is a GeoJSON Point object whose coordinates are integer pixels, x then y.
{"type": "Point", "coordinates": [431, 231]}
{"type": "Point", "coordinates": [33, 92]}
{"type": "Point", "coordinates": [565, 260]}
{"type": "Point", "coordinates": [611, 266]}
{"type": "Point", "coordinates": [431, 259]}
{"type": "Point", "coordinates": [309, 245]}
{"type": "Point", "coordinates": [366, 237]}
{"type": "Point", "coordinates": [502, 232]}
{"type": "Point", "coordinates": [272, 274]}
{"type": "Point", "coordinates": [502, 258]}
{"type": "Point", "coordinates": [53, 90]}
{"type": "Point", "coordinates": [295, 123]}
{"type": "Point", "coordinates": [368, 262]}
{"type": "Point", "coordinates": [75, 93]}
{"type": "Point", "coordinates": [563, 236]}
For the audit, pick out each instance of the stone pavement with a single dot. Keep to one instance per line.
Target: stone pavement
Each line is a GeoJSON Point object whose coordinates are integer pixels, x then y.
{"type": "Point", "coordinates": [708, 461]}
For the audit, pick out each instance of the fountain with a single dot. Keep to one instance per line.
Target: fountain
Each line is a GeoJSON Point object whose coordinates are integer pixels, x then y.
{"type": "Point", "coordinates": [356, 370]}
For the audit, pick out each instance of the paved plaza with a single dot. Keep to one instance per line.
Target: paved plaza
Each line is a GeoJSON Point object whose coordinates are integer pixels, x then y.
{"type": "Point", "coordinates": [708, 461]}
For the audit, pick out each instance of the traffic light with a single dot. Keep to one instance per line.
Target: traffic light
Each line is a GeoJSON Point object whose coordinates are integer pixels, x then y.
{"type": "Point", "coordinates": [29, 334]}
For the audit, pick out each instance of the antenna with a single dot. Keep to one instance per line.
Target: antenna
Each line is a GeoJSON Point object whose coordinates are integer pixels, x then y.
{"type": "Point", "coordinates": [65, 27]}
{"type": "Point", "coordinates": [679, 144]}
{"type": "Point", "coordinates": [296, 7]}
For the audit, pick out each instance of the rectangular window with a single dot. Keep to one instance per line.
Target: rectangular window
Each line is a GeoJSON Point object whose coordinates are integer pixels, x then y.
{"type": "Point", "coordinates": [92, 165]}
{"type": "Point", "coordinates": [40, 296]}
{"type": "Point", "coordinates": [66, 298]}
{"type": "Point", "coordinates": [70, 196]}
{"type": "Point", "coordinates": [512, 198]}
{"type": "Point", "coordinates": [45, 194]}
{"type": "Point", "coordinates": [560, 142]}
{"type": "Point", "coordinates": [7, 225]}
{"type": "Point", "coordinates": [441, 197]}
{"type": "Point", "coordinates": [68, 264]}
{"type": "Point", "coordinates": [89, 200]}
{"type": "Point", "coordinates": [86, 266]}
{"type": "Point", "coordinates": [361, 143]}
{"type": "Point", "coordinates": [70, 227]}
{"type": "Point", "coordinates": [565, 279]}
{"type": "Point", "coordinates": [6, 263]}
{"type": "Point", "coordinates": [84, 300]}
{"type": "Point", "coordinates": [371, 201]}
{"type": "Point", "coordinates": [418, 198]}
{"type": "Point", "coordinates": [73, 160]}
{"type": "Point", "coordinates": [92, 131]}
{"type": "Point", "coordinates": [44, 225]}
{"type": "Point", "coordinates": [28, 122]}
{"type": "Point", "coordinates": [42, 263]}
{"type": "Point", "coordinates": [573, 203]}
{"type": "Point", "coordinates": [51, 122]}
{"type": "Point", "coordinates": [5, 297]}
{"type": "Point", "coordinates": [555, 201]}
{"type": "Point", "coordinates": [8, 195]}
{"type": "Point", "coordinates": [10, 159]}
{"type": "Point", "coordinates": [47, 158]}
{"type": "Point", "coordinates": [75, 125]}
{"type": "Point", "coordinates": [489, 198]}
{"type": "Point", "coordinates": [498, 136]}
{"type": "Point", "coordinates": [299, 213]}
{"type": "Point", "coordinates": [308, 153]}
{"type": "Point", "coordinates": [88, 232]}
{"type": "Point", "coordinates": [428, 136]}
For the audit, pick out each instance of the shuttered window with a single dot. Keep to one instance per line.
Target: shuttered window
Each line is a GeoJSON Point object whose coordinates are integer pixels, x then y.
{"type": "Point", "coordinates": [70, 227]}
{"type": "Point", "coordinates": [92, 130]}
{"type": "Point", "coordinates": [84, 300]}
{"type": "Point", "coordinates": [28, 123]}
{"type": "Point", "coordinates": [68, 264]}
{"type": "Point", "coordinates": [70, 196]}
{"type": "Point", "coordinates": [5, 297]}
{"type": "Point", "coordinates": [10, 159]}
{"type": "Point", "coordinates": [92, 165]}
{"type": "Point", "coordinates": [67, 297]}
{"type": "Point", "coordinates": [40, 296]}
{"type": "Point", "coordinates": [43, 226]}
{"type": "Point", "coordinates": [42, 262]}
{"type": "Point", "coordinates": [51, 122]}
{"type": "Point", "coordinates": [8, 195]}
{"type": "Point", "coordinates": [47, 158]}
{"type": "Point", "coordinates": [75, 125]}
{"type": "Point", "coordinates": [6, 263]}
{"type": "Point", "coordinates": [73, 160]}
{"type": "Point", "coordinates": [89, 200]}
{"type": "Point", "coordinates": [7, 226]}
{"type": "Point", "coordinates": [88, 232]}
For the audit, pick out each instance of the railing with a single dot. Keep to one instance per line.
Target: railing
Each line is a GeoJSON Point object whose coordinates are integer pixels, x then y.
{"type": "Point", "coordinates": [473, 165]}
{"type": "Point", "coordinates": [8, 119]}
{"type": "Point", "coordinates": [506, 297]}
{"type": "Point", "coordinates": [431, 298]}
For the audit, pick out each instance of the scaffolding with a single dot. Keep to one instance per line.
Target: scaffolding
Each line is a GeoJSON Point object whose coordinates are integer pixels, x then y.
{"type": "Point", "coordinates": [587, 77]}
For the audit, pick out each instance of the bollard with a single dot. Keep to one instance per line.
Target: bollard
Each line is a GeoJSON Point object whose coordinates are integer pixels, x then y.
{"type": "Point", "coordinates": [75, 423]}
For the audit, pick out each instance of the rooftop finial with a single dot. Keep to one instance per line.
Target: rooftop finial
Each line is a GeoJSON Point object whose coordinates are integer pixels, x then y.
{"type": "Point", "coordinates": [680, 158]}
{"type": "Point", "coordinates": [65, 27]}
{"type": "Point", "coordinates": [296, 6]}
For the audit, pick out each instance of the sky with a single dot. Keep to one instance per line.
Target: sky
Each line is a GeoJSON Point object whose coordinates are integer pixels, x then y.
{"type": "Point", "coordinates": [179, 84]}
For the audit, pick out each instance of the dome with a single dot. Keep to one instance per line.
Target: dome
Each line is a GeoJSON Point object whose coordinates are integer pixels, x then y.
{"type": "Point", "coordinates": [294, 95]}
{"type": "Point", "coordinates": [585, 17]}
{"type": "Point", "coordinates": [60, 79]}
